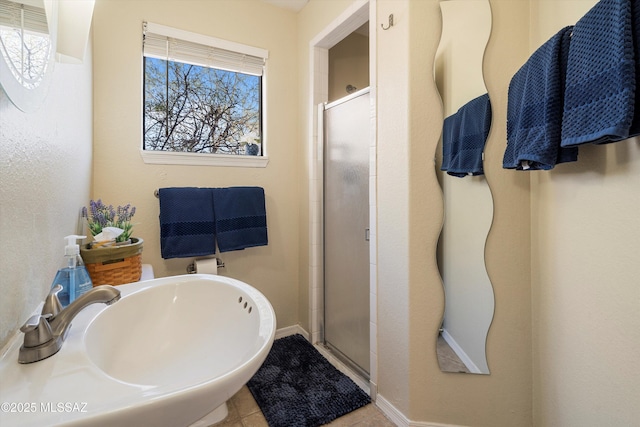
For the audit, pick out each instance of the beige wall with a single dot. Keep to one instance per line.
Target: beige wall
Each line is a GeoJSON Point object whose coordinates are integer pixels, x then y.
{"type": "Point", "coordinates": [348, 65]}
{"type": "Point", "coordinates": [393, 215]}
{"type": "Point", "coordinates": [586, 298]}
{"type": "Point", "coordinates": [120, 176]}
{"type": "Point", "coordinates": [45, 178]}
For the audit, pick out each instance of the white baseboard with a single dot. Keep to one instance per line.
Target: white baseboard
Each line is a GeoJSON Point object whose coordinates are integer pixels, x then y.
{"type": "Point", "coordinates": [291, 330]}
{"type": "Point", "coordinates": [400, 420]}
{"type": "Point", "coordinates": [391, 412]}
{"type": "Point", "coordinates": [461, 353]}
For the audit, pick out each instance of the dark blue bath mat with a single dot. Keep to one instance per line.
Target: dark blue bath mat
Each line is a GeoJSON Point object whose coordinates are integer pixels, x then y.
{"type": "Point", "coordinates": [297, 387]}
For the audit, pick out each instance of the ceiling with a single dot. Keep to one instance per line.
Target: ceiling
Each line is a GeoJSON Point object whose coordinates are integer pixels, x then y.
{"type": "Point", "coordinates": [295, 5]}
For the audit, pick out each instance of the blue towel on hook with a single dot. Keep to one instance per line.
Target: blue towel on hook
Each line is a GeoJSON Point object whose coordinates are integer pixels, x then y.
{"type": "Point", "coordinates": [464, 136]}
{"type": "Point", "coordinates": [600, 94]}
{"type": "Point", "coordinates": [187, 225]}
{"type": "Point", "coordinates": [534, 109]}
{"type": "Point", "coordinates": [240, 218]}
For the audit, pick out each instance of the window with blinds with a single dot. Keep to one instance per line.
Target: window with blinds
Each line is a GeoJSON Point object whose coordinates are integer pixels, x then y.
{"type": "Point", "coordinates": [201, 94]}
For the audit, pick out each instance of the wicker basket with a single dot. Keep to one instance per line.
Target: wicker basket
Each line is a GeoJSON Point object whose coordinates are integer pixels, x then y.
{"type": "Point", "coordinates": [114, 265]}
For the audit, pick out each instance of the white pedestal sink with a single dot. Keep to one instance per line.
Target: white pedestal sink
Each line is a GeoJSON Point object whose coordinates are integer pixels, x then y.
{"type": "Point", "coordinates": [171, 351]}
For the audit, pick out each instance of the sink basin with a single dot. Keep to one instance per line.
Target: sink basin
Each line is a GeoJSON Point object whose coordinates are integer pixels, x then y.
{"type": "Point", "coordinates": [177, 332]}
{"type": "Point", "coordinates": [171, 351]}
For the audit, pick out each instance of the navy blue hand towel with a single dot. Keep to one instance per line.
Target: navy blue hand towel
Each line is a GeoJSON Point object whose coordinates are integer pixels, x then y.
{"type": "Point", "coordinates": [534, 109]}
{"type": "Point", "coordinates": [241, 217]}
{"type": "Point", "coordinates": [187, 225]}
{"type": "Point", "coordinates": [600, 94]}
{"type": "Point", "coordinates": [464, 136]}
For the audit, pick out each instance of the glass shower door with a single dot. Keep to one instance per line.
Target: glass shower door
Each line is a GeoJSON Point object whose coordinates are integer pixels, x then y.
{"type": "Point", "coordinates": [346, 229]}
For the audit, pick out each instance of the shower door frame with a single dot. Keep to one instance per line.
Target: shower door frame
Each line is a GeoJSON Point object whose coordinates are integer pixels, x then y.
{"type": "Point", "coordinates": [355, 16]}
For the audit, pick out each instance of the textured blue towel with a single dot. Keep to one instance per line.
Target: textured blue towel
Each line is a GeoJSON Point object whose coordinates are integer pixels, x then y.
{"type": "Point", "coordinates": [241, 218]}
{"type": "Point", "coordinates": [187, 225]}
{"type": "Point", "coordinates": [600, 94]}
{"type": "Point", "coordinates": [635, 11]}
{"type": "Point", "coordinates": [534, 109]}
{"type": "Point", "coordinates": [464, 136]}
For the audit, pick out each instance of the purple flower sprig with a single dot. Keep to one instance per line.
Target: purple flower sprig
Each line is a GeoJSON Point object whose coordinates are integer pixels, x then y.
{"type": "Point", "coordinates": [100, 215]}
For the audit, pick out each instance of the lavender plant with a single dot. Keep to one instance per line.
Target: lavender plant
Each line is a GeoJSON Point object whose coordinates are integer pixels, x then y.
{"type": "Point", "coordinates": [100, 215]}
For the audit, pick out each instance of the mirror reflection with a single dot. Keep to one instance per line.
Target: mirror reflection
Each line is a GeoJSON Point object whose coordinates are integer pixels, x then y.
{"type": "Point", "coordinates": [468, 204]}
{"type": "Point", "coordinates": [26, 49]}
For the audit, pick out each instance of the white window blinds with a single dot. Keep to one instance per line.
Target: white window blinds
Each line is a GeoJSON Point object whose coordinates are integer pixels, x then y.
{"type": "Point", "coordinates": [17, 15]}
{"type": "Point", "coordinates": [183, 46]}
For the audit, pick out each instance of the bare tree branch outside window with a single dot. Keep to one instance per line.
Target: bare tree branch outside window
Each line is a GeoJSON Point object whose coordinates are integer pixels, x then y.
{"type": "Point", "coordinates": [26, 53]}
{"type": "Point", "coordinates": [196, 109]}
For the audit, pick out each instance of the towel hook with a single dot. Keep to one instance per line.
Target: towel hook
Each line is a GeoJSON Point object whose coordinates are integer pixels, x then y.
{"type": "Point", "coordinates": [390, 23]}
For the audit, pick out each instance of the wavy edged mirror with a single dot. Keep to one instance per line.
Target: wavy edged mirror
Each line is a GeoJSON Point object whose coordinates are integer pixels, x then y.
{"type": "Point", "coordinates": [468, 204]}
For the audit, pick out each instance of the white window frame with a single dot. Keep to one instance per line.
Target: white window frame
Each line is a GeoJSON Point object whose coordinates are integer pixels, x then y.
{"type": "Point", "coordinates": [208, 159]}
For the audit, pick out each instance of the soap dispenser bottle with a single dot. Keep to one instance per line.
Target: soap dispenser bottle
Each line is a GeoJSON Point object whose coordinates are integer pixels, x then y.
{"type": "Point", "coordinates": [73, 276]}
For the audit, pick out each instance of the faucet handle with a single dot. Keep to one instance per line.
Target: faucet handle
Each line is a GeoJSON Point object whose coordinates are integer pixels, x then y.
{"type": "Point", "coordinates": [52, 305]}
{"type": "Point", "coordinates": [37, 330]}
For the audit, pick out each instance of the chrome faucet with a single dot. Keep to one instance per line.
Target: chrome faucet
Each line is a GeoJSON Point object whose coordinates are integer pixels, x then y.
{"type": "Point", "coordinates": [44, 333]}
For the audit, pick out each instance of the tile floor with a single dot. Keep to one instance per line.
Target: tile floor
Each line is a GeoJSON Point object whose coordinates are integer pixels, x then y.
{"type": "Point", "coordinates": [245, 412]}
{"type": "Point", "coordinates": [448, 359]}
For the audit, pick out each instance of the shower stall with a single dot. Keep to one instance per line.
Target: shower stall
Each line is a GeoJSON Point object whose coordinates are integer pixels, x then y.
{"type": "Point", "coordinates": [346, 229]}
